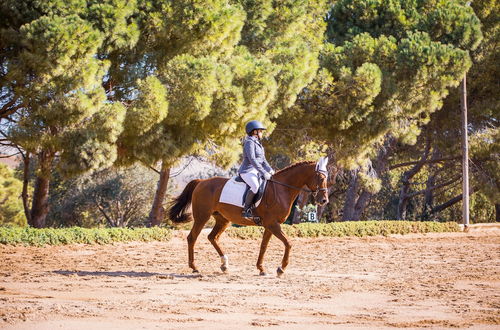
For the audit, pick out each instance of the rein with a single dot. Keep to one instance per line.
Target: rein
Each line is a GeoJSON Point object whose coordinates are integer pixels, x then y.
{"type": "Point", "coordinates": [297, 188]}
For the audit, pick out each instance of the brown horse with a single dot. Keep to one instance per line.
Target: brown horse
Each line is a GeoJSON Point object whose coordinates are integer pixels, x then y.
{"type": "Point", "coordinates": [273, 210]}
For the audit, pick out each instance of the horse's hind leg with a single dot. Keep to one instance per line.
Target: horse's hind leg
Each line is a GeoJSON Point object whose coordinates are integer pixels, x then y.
{"type": "Point", "coordinates": [199, 222]}
{"type": "Point", "coordinates": [220, 226]}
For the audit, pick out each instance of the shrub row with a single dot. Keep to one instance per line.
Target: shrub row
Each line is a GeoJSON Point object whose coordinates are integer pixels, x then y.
{"type": "Point", "coordinates": [59, 236]}
{"type": "Point", "coordinates": [350, 228]}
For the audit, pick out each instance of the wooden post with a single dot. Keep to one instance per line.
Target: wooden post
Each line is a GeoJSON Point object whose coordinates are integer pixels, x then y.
{"type": "Point", "coordinates": [465, 156]}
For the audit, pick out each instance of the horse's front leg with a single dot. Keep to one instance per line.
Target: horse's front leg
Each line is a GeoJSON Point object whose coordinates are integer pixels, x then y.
{"type": "Point", "coordinates": [275, 228]}
{"type": "Point", "coordinates": [263, 247]}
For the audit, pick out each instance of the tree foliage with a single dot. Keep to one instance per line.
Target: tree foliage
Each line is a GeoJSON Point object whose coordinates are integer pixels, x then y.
{"type": "Point", "coordinates": [52, 70]}
{"type": "Point", "coordinates": [215, 67]}
{"type": "Point", "coordinates": [11, 206]}
{"type": "Point", "coordinates": [54, 60]}
{"type": "Point", "coordinates": [443, 168]}
{"type": "Point", "coordinates": [88, 84]}
{"type": "Point", "coordinates": [386, 67]}
{"type": "Point", "coordinates": [116, 82]}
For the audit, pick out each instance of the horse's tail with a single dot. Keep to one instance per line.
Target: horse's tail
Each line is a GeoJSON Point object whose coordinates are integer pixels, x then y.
{"type": "Point", "coordinates": [177, 209]}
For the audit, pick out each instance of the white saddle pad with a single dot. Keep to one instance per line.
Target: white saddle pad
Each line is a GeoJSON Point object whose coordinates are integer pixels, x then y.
{"type": "Point", "coordinates": [232, 193]}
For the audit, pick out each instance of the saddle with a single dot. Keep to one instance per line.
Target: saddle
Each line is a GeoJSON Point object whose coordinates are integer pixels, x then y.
{"type": "Point", "coordinates": [258, 195]}
{"type": "Point", "coordinates": [235, 191]}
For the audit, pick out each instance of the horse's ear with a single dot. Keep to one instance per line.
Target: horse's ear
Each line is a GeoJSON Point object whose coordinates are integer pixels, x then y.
{"type": "Point", "coordinates": [321, 165]}
{"type": "Point", "coordinates": [318, 163]}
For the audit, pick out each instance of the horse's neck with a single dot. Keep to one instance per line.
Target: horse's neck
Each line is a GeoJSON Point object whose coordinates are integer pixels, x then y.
{"type": "Point", "coordinates": [296, 177]}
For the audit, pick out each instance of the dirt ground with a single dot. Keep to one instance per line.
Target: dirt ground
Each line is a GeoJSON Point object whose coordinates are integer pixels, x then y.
{"type": "Point", "coordinates": [433, 281]}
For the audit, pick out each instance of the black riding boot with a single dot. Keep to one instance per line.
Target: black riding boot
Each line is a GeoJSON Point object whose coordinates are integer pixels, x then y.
{"type": "Point", "coordinates": [247, 209]}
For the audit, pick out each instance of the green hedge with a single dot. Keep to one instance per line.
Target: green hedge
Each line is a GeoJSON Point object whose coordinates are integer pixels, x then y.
{"type": "Point", "coordinates": [59, 236]}
{"type": "Point", "coordinates": [52, 236]}
{"type": "Point", "coordinates": [350, 228]}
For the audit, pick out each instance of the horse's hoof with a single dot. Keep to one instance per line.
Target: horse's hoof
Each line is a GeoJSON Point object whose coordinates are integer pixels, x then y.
{"type": "Point", "coordinates": [196, 271]}
{"type": "Point", "coordinates": [223, 268]}
{"type": "Point", "coordinates": [263, 274]}
{"type": "Point", "coordinates": [280, 271]}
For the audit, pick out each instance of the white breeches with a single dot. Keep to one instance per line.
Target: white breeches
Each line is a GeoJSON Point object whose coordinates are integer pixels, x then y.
{"type": "Point", "coordinates": [252, 179]}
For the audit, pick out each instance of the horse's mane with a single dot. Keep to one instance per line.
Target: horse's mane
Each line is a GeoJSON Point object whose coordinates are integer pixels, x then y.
{"type": "Point", "coordinates": [292, 166]}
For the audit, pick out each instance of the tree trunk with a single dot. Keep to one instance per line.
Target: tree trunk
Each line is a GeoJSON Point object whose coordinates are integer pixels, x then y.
{"type": "Point", "coordinates": [361, 204]}
{"type": "Point", "coordinates": [497, 211]}
{"type": "Point", "coordinates": [405, 182]}
{"type": "Point", "coordinates": [429, 187]}
{"type": "Point", "coordinates": [40, 206]}
{"type": "Point", "coordinates": [24, 193]}
{"type": "Point", "coordinates": [379, 166]}
{"type": "Point", "coordinates": [350, 198]}
{"type": "Point", "coordinates": [403, 201]}
{"type": "Point", "coordinates": [428, 196]}
{"type": "Point", "coordinates": [157, 211]}
{"type": "Point", "coordinates": [451, 202]}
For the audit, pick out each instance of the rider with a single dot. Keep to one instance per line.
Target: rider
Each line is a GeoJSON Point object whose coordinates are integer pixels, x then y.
{"type": "Point", "coordinates": [254, 163]}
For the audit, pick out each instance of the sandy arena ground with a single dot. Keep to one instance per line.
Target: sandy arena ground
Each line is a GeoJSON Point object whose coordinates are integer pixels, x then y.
{"type": "Point", "coordinates": [433, 281]}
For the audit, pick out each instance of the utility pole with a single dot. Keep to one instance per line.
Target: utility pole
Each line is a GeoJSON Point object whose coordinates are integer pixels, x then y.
{"type": "Point", "coordinates": [465, 156]}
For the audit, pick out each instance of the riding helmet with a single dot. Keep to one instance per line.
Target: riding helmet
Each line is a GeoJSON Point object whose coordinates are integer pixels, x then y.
{"type": "Point", "coordinates": [254, 124]}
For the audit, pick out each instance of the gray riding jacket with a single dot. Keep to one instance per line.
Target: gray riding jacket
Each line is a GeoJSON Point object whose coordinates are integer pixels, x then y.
{"type": "Point", "coordinates": [254, 157]}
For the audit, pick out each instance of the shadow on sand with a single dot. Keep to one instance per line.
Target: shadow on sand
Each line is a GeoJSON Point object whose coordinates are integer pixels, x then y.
{"type": "Point", "coordinates": [126, 274]}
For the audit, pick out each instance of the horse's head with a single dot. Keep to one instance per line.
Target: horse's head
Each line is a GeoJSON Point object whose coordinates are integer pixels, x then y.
{"type": "Point", "coordinates": [318, 183]}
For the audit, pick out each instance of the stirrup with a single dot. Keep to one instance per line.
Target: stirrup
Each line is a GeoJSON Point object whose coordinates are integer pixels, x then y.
{"type": "Point", "coordinates": [247, 213]}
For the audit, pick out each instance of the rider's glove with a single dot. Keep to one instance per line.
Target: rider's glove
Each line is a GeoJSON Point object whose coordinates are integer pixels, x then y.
{"type": "Point", "coordinates": [272, 172]}
{"type": "Point", "coordinates": [267, 176]}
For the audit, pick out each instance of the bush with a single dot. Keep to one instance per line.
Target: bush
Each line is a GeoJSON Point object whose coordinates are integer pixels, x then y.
{"type": "Point", "coordinates": [60, 236]}
{"type": "Point", "coordinates": [11, 206]}
{"type": "Point", "coordinates": [350, 228]}
{"type": "Point", "coordinates": [124, 195]}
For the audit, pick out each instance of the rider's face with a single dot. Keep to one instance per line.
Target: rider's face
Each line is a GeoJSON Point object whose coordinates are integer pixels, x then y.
{"type": "Point", "coordinates": [259, 133]}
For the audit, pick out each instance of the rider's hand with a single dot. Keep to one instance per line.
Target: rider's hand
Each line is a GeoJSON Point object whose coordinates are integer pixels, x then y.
{"type": "Point", "coordinates": [272, 172]}
{"type": "Point", "coordinates": [267, 176]}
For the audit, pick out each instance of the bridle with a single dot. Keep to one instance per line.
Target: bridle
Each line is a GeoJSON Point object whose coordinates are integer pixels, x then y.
{"type": "Point", "coordinates": [314, 192]}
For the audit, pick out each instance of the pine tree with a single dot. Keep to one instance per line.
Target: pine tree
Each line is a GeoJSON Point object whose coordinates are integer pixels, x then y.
{"type": "Point", "coordinates": [444, 132]}
{"type": "Point", "coordinates": [53, 74]}
{"type": "Point", "coordinates": [387, 66]}
{"type": "Point", "coordinates": [216, 66]}
{"type": "Point", "coordinates": [162, 79]}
